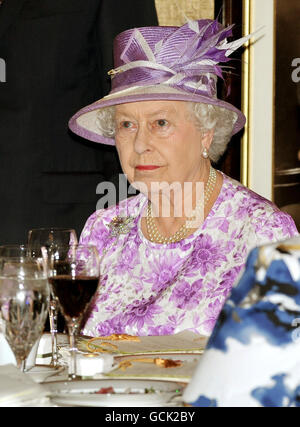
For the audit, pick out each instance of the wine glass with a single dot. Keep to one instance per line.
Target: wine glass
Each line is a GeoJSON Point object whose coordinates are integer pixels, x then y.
{"type": "Point", "coordinates": [38, 237]}
{"type": "Point", "coordinates": [74, 276]}
{"type": "Point", "coordinates": [49, 237]}
{"type": "Point", "coordinates": [24, 302]}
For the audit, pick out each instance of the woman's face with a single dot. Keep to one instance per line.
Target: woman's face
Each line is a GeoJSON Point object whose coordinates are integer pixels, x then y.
{"type": "Point", "coordinates": [157, 141]}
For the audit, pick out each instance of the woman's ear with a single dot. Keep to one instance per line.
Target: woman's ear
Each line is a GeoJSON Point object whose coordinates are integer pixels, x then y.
{"type": "Point", "coordinates": [207, 138]}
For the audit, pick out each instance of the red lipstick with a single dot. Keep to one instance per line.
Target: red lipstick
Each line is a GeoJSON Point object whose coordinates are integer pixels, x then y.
{"type": "Point", "coordinates": [147, 167]}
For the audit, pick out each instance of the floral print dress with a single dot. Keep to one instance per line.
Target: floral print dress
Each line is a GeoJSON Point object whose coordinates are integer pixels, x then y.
{"type": "Point", "coordinates": [161, 289]}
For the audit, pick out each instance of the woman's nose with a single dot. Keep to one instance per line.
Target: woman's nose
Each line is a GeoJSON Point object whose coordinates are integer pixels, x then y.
{"type": "Point", "coordinates": [142, 141]}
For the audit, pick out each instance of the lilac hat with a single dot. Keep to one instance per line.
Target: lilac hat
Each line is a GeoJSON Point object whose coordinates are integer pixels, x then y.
{"type": "Point", "coordinates": [164, 63]}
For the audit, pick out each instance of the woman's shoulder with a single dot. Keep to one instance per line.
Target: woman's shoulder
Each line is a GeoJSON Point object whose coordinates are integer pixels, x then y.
{"type": "Point", "coordinates": [101, 218]}
{"type": "Point", "coordinates": [248, 198]}
{"type": "Point", "coordinates": [266, 219]}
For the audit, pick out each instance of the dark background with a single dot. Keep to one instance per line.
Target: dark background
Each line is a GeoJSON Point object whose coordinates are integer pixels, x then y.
{"type": "Point", "coordinates": [287, 106]}
{"type": "Point", "coordinates": [230, 12]}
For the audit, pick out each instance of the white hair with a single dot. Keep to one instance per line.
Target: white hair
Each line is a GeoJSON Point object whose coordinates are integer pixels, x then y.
{"type": "Point", "coordinates": [205, 116]}
{"type": "Point", "coordinates": [212, 117]}
{"type": "Point", "coordinates": [106, 121]}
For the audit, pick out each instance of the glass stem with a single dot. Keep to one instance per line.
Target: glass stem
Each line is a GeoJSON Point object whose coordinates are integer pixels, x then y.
{"type": "Point", "coordinates": [53, 330]}
{"type": "Point", "coordinates": [21, 364]}
{"type": "Point", "coordinates": [72, 329]}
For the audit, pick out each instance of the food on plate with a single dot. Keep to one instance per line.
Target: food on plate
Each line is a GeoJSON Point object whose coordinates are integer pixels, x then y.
{"type": "Point", "coordinates": [105, 390]}
{"type": "Point", "coordinates": [168, 363]}
{"type": "Point", "coordinates": [110, 390]}
{"type": "Point", "coordinates": [162, 363]}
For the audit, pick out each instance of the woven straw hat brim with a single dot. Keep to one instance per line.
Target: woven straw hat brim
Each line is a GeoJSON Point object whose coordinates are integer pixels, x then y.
{"type": "Point", "coordinates": [84, 122]}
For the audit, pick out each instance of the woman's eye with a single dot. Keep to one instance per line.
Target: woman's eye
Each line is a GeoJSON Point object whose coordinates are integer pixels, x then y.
{"type": "Point", "coordinates": [162, 122]}
{"type": "Point", "coordinates": [126, 124]}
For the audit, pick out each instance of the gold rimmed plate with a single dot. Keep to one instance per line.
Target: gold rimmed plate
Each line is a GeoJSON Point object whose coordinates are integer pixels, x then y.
{"type": "Point", "coordinates": [115, 393]}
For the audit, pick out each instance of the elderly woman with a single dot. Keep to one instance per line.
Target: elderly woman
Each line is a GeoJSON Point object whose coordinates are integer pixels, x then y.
{"type": "Point", "coordinates": [171, 254]}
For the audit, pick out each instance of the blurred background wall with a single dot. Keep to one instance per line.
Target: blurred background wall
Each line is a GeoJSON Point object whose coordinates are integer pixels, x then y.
{"type": "Point", "coordinates": [287, 108]}
{"type": "Point", "coordinates": [173, 12]}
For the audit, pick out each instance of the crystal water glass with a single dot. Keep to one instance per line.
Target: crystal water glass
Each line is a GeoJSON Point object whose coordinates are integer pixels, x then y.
{"type": "Point", "coordinates": [24, 303]}
{"type": "Point", "coordinates": [49, 238]}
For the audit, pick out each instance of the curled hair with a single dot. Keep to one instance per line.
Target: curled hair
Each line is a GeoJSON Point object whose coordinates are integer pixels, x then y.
{"type": "Point", "coordinates": [221, 120]}
{"type": "Point", "coordinates": [205, 116]}
{"type": "Point", "coordinates": [106, 121]}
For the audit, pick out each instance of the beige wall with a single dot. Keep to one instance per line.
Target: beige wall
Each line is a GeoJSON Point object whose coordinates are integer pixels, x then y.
{"type": "Point", "coordinates": [261, 98]}
{"type": "Point", "coordinates": [173, 12]}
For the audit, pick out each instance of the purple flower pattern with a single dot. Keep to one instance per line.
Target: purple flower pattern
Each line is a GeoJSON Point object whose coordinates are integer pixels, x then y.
{"type": "Point", "coordinates": [142, 311]}
{"type": "Point", "coordinates": [162, 272]}
{"type": "Point", "coordinates": [187, 295]}
{"type": "Point", "coordinates": [153, 289]}
{"type": "Point", "coordinates": [211, 314]}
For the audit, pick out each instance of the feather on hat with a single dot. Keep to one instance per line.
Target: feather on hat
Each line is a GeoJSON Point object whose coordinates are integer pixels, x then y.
{"type": "Point", "coordinates": [164, 63]}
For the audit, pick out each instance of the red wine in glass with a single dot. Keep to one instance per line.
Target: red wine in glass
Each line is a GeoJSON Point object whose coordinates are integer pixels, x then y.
{"type": "Point", "coordinates": [74, 277]}
{"type": "Point", "coordinates": [74, 293]}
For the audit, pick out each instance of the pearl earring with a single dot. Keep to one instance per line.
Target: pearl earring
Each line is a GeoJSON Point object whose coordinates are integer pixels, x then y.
{"type": "Point", "coordinates": [205, 153]}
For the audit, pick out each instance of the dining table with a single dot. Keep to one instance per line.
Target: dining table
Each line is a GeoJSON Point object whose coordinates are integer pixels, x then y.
{"type": "Point", "coordinates": [115, 371]}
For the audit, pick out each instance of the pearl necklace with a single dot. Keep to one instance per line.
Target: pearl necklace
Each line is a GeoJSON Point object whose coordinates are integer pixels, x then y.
{"type": "Point", "coordinates": [153, 232]}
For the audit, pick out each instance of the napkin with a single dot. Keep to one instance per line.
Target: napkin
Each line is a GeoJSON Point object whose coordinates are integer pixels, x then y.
{"type": "Point", "coordinates": [18, 389]}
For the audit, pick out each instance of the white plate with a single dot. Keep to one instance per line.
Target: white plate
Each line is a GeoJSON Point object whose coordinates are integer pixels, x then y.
{"type": "Point", "coordinates": [127, 393]}
{"type": "Point", "coordinates": [183, 357]}
{"type": "Point", "coordinates": [40, 373]}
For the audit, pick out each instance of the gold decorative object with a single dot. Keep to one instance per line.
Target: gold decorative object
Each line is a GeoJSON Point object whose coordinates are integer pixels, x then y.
{"type": "Point", "coordinates": [104, 342]}
{"type": "Point", "coordinates": [117, 337]}
{"type": "Point", "coordinates": [120, 225]}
